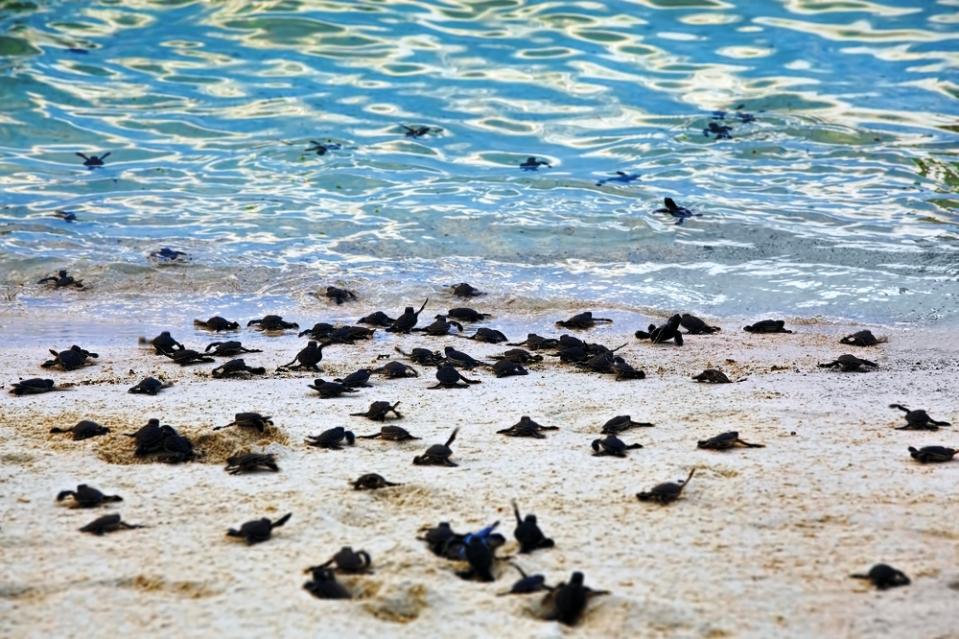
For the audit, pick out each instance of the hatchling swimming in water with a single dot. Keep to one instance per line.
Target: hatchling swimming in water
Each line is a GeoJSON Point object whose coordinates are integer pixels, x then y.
{"type": "Point", "coordinates": [108, 524]}
{"type": "Point", "coordinates": [611, 445]}
{"type": "Point", "coordinates": [87, 497]}
{"type": "Point", "coordinates": [236, 368]}
{"type": "Point", "coordinates": [163, 343]}
{"type": "Point", "coordinates": [423, 356]}
{"type": "Point", "coordinates": [188, 357]}
{"type": "Point", "coordinates": [323, 585]}
{"type": "Point", "coordinates": [566, 602]}
{"type": "Point", "coordinates": [371, 481]}
{"type": "Point", "coordinates": [465, 290]}
{"type": "Point", "coordinates": [216, 324]}
{"type": "Point", "coordinates": [526, 584]}
{"type": "Point", "coordinates": [391, 433]}
{"type": "Point", "coordinates": [91, 161]}
{"type": "Point", "coordinates": [528, 533]}
{"type": "Point", "coordinates": [348, 561]}
{"type": "Point", "coordinates": [419, 130]}
{"type": "Point", "coordinates": [696, 326]}
{"type": "Point", "coordinates": [508, 368]}
{"type": "Point", "coordinates": [918, 419]}
{"type": "Point", "coordinates": [486, 335]}
{"type": "Point", "coordinates": [251, 462]}
{"type": "Point", "coordinates": [767, 326]}
{"type": "Point", "coordinates": [620, 176]}
{"type": "Point", "coordinates": [526, 427]}
{"type": "Point", "coordinates": [863, 338]}
{"type": "Point", "coordinates": [536, 342]}
{"type": "Point", "coordinates": [253, 421]}
{"type": "Point", "coordinates": [66, 216]}
{"type": "Point", "coordinates": [396, 370]}
{"type": "Point", "coordinates": [667, 492]}
{"type": "Point", "coordinates": [532, 163]}
{"type": "Point", "coordinates": [668, 332]}
{"type": "Point", "coordinates": [378, 411]}
{"type": "Point", "coordinates": [321, 148]}
{"type": "Point", "coordinates": [166, 255]}
{"type": "Point", "coordinates": [379, 318]}
{"type": "Point", "coordinates": [84, 429]}
{"type": "Point", "coordinates": [61, 280]}
{"type": "Point", "coordinates": [272, 323]}
{"type": "Point", "coordinates": [230, 348]}
{"type": "Point", "coordinates": [518, 355]}
{"type": "Point", "coordinates": [850, 364]}
{"type": "Point", "coordinates": [681, 213]}
{"type": "Point", "coordinates": [309, 357]}
{"type": "Point", "coordinates": [465, 314]}
{"type": "Point", "coordinates": [721, 131]}
{"type": "Point", "coordinates": [932, 454]}
{"type": "Point", "coordinates": [448, 377]}
{"type": "Point", "coordinates": [32, 386]}
{"type": "Point", "coordinates": [725, 441]}
{"type": "Point", "coordinates": [884, 576]}
{"type": "Point", "coordinates": [713, 376]}
{"type": "Point", "coordinates": [258, 530]}
{"type": "Point", "coordinates": [622, 423]}
{"type": "Point", "coordinates": [332, 438]}
{"type": "Point", "coordinates": [70, 359]}
{"type": "Point", "coordinates": [440, 326]}
{"type": "Point", "coordinates": [583, 321]}
{"type": "Point", "coordinates": [148, 386]}
{"type": "Point", "coordinates": [357, 379]}
{"type": "Point", "coordinates": [405, 322]}
{"type": "Point", "coordinates": [438, 454]}
{"type": "Point", "coordinates": [329, 390]}
{"type": "Point", "coordinates": [340, 295]}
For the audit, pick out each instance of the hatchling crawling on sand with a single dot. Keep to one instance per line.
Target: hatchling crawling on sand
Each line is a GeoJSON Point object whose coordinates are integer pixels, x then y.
{"type": "Point", "coordinates": [84, 429]}
{"type": "Point", "coordinates": [391, 433]}
{"type": "Point", "coordinates": [309, 358]}
{"type": "Point", "coordinates": [438, 454]}
{"type": "Point", "coordinates": [884, 576]}
{"type": "Point", "coordinates": [405, 322]}
{"type": "Point", "coordinates": [32, 386]}
{"type": "Point", "coordinates": [61, 280]}
{"type": "Point", "coordinates": [918, 419]}
{"type": "Point", "coordinates": [236, 368]}
{"type": "Point", "coordinates": [725, 441]}
{"type": "Point", "coordinates": [396, 370]}
{"type": "Point", "coordinates": [448, 377]}
{"type": "Point", "coordinates": [612, 446]}
{"type": "Point", "coordinates": [332, 438]}
{"type": "Point", "coordinates": [258, 530]}
{"type": "Point", "coordinates": [767, 326]}
{"type": "Point", "coordinates": [377, 318]}
{"type": "Point", "coordinates": [696, 326]}
{"type": "Point", "coordinates": [422, 356]}
{"type": "Point", "coordinates": [87, 497]}
{"type": "Point", "coordinates": [250, 420]}
{"type": "Point", "coordinates": [668, 332]}
{"type": "Point", "coordinates": [378, 411]}
{"type": "Point", "coordinates": [932, 454]}
{"type": "Point", "coordinates": [357, 379]}
{"type": "Point", "coordinates": [440, 326]}
{"type": "Point", "coordinates": [188, 357]}
{"type": "Point", "coordinates": [251, 462]}
{"type": "Point", "coordinates": [667, 492]}
{"type": "Point", "coordinates": [528, 533]}
{"type": "Point", "coordinates": [461, 359]}
{"type": "Point", "coordinates": [713, 376]}
{"type": "Point", "coordinates": [272, 324]}
{"type": "Point", "coordinates": [518, 355]}
{"type": "Point", "coordinates": [487, 336]}
{"type": "Point", "coordinates": [216, 324]}
{"type": "Point", "coordinates": [850, 364]}
{"type": "Point", "coordinates": [622, 423]}
{"type": "Point", "coordinates": [108, 524]}
{"type": "Point", "coordinates": [329, 390]}
{"type": "Point", "coordinates": [536, 342]}
{"type": "Point", "coordinates": [230, 348]}
{"type": "Point", "coordinates": [566, 602]}
{"type": "Point", "coordinates": [526, 427]}
{"type": "Point", "coordinates": [148, 386]}
{"type": "Point", "coordinates": [507, 368]}
{"type": "Point", "coordinates": [70, 359]}
{"type": "Point", "coordinates": [323, 585]}
{"type": "Point", "coordinates": [862, 338]}
{"type": "Point", "coordinates": [526, 584]}
{"type": "Point", "coordinates": [348, 561]}
{"type": "Point", "coordinates": [583, 321]}
{"type": "Point", "coordinates": [164, 343]}
{"type": "Point", "coordinates": [371, 481]}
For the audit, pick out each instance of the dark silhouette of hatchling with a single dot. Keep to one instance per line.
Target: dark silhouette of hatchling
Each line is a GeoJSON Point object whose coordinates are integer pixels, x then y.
{"type": "Point", "coordinates": [258, 530]}
{"type": "Point", "coordinates": [667, 492]}
{"type": "Point", "coordinates": [251, 462]}
{"type": "Point", "coordinates": [850, 364]}
{"type": "Point", "coordinates": [726, 441]}
{"type": "Point", "coordinates": [108, 524]}
{"type": "Point", "coordinates": [84, 429]}
{"type": "Point", "coordinates": [438, 454]}
{"type": "Point", "coordinates": [371, 481]}
{"type": "Point", "coordinates": [884, 576]}
{"type": "Point", "coordinates": [87, 497]}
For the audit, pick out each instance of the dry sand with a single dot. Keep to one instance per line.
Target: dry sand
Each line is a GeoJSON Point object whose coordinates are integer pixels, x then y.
{"type": "Point", "coordinates": [761, 545]}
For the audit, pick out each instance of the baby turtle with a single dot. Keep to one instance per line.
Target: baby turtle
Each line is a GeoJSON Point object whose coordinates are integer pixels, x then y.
{"type": "Point", "coordinates": [148, 386]}
{"type": "Point", "coordinates": [518, 355]}
{"type": "Point", "coordinates": [526, 427]}
{"type": "Point", "coordinates": [440, 326]}
{"type": "Point", "coordinates": [419, 130]}
{"type": "Point", "coordinates": [163, 343]}
{"type": "Point", "coordinates": [613, 446]}
{"type": "Point", "coordinates": [108, 524]}
{"type": "Point", "coordinates": [465, 290]}
{"type": "Point", "coordinates": [681, 213]}
{"type": "Point", "coordinates": [378, 411]}
{"type": "Point", "coordinates": [188, 357]}
{"type": "Point", "coordinates": [61, 280]}
{"type": "Point", "coordinates": [536, 342]}
{"type": "Point", "coordinates": [379, 318]}
{"type": "Point", "coordinates": [884, 576]}
{"type": "Point", "coordinates": [272, 323]}
{"type": "Point", "coordinates": [566, 602]}
{"type": "Point", "coordinates": [528, 534]}
{"type": "Point", "coordinates": [371, 481]}
{"type": "Point", "coordinates": [696, 326]}
{"type": "Point", "coordinates": [166, 255]}
{"type": "Point", "coordinates": [84, 429]}
{"type": "Point", "coordinates": [216, 324]}
{"type": "Point", "coordinates": [405, 322]}
{"type": "Point", "coordinates": [620, 176]}
{"type": "Point", "coordinates": [348, 561]}
{"type": "Point", "coordinates": [340, 295]}
{"type": "Point", "coordinates": [532, 163]}
{"type": "Point", "coordinates": [391, 433]}
{"type": "Point", "coordinates": [320, 331]}
{"type": "Point", "coordinates": [258, 530]}
{"type": "Point", "coordinates": [721, 131]}
{"type": "Point", "coordinates": [162, 441]}
{"type": "Point", "coordinates": [668, 332]}
{"type": "Point", "coordinates": [465, 314]}
{"type": "Point", "coordinates": [236, 368]}
{"type": "Point", "coordinates": [324, 585]}
{"type": "Point", "coordinates": [332, 438]}
{"type": "Point", "coordinates": [622, 423]}
{"type": "Point", "coordinates": [448, 377]}
{"type": "Point", "coordinates": [87, 496]}
{"type": "Point", "coordinates": [357, 379]}
{"type": "Point", "coordinates": [395, 370]}
{"type": "Point", "coordinates": [507, 368]}
{"type": "Point", "coordinates": [850, 364]}
{"type": "Point", "coordinates": [253, 421]}
{"type": "Point", "coordinates": [863, 338]}
{"type": "Point", "coordinates": [625, 371]}
{"type": "Point", "coordinates": [932, 454]}
{"type": "Point", "coordinates": [583, 321]}
{"type": "Point", "coordinates": [712, 376]}
{"type": "Point", "coordinates": [321, 148]}
{"type": "Point", "coordinates": [349, 334]}
{"type": "Point", "coordinates": [481, 556]}
{"type": "Point", "coordinates": [918, 419]}
{"type": "Point", "coordinates": [526, 584]}
{"type": "Point", "coordinates": [461, 359]}
{"type": "Point", "coordinates": [70, 359]}
{"type": "Point", "coordinates": [487, 336]}
{"type": "Point", "coordinates": [423, 356]}
{"type": "Point", "coordinates": [230, 348]}
{"type": "Point", "coordinates": [767, 326]}
{"type": "Point", "coordinates": [32, 386]}
{"type": "Point", "coordinates": [667, 492]}
{"type": "Point", "coordinates": [438, 454]}
{"type": "Point", "coordinates": [309, 357]}
{"type": "Point", "coordinates": [329, 390]}
{"type": "Point", "coordinates": [251, 462]}
{"type": "Point", "coordinates": [725, 441]}
{"type": "Point", "coordinates": [91, 161]}
{"type": "Point", "coordinates": [66, 216]}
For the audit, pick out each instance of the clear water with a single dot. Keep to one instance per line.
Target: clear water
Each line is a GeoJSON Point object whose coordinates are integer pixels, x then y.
{"type": "Point", "coordinates": [838, 201]}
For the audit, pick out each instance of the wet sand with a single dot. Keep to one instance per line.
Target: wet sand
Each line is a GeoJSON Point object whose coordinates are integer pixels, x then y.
{"type": "Point", "coordinates": [760, 545]}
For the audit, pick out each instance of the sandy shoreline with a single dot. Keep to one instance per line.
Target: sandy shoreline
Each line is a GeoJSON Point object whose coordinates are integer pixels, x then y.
{"type": "Point", "coordinates": [761, 545]}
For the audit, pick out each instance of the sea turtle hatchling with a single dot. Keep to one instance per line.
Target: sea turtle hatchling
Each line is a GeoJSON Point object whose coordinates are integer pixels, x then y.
{"type": "Point", "coordinates": [526, 427]}
{"type": "Point", "coordinates": [465, 290]}
{"type": "Point", "coordinates": [725, 441]}
{"type": "Point", "coordinates": [407, 320]}
{"type": "Point", "coordinates": [216, 324]}
{"type": "Point", "coordinates": [713, 376]}
{"type": "Point", "coordinates": [323, 585]}
{"type": "Point", "coordinates": [526, 584]}
{"type": "Point", "coordinates": [32, 386]}
{"type": "Point", "coordinates": [767, 326]}
{"type": "Point", "coordinates": [850, 364]}
{"type": "Point", "coordinates": [348, 561]}
{"type": "Point", "coordinates": [148, 386]}
{"type": "Point", "coordinates": [438, 454]}
{"type": "Point", "coordinates": [229, 348]}
{"type": "Point", "coordinates": [390, 433]}
{"type": "Point", "coordinates": [583, 321]}
{"type": "Point", "coordinates": [862, 338]}
{"type": "Point", "coordinates": [918, 419]}
{"type": "Point", "coordinates": [163, 343]}
{"type": "Point", "coordinates": [332, 438]}
{"type": "Point", "coordinates": [396, 370]}
{"type": "Point", "coordinates": [70, 359]}
{"type": "Point", "coordinates": [249, 420]}
{"type": "Point", "coordinates": [272, 324]}
{"type": "Point", "coordinates": [622, 423]}
{"type": "Point", "coordinates": [528, 533]}
{"type": "Point", "coordinates": [188, 357]}
{"type": "Point", "coordinates": [371, 481]}
{"type": "Point", "coordinates": [91, 161]}
{"type": "Point", "coordinates": [329, 390]}
{"type": "Point", "coordinates": [84, 429]}
{"type": "Point", "coordinates": [667, 492]}
{"type": "Point", "coordinates": [378, 318]}
{"type": "Point", "coordinates": [884, 576]}
{"type": "Point", "coordinates": [696, 326]}
{"type": "Point", "coordinates": [612, 446]}
{"type": "Point", "coordinates": [258, 530]}
{"type": "Point", "coordinates": [681, 213]}
{"type": "Point", "coordinates": [448, 377]}
{"type": "Point", "coordinates": [339, 295]}
{"type": "Point", "coordinates": [379, 410]}
{"type": "Point", "coordinates": [251, 462]}
{"type": "Point", "coordinates": [108, 524]}
{"type": "Point", "coordinates": [533, 163]}
{"type": "Point", "coordinates": [566, 602]}
{"type": "Point", "coordinates": [932, 454]}
{"type": "Point", "coordinates": [61, 280]}
{"type": "Point", "coordinates": [86, 497]}
{"type": "Point", "coordinates": [236, 368]}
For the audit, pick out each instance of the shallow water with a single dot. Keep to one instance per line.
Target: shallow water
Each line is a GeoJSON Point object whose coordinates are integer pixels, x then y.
{"type": "Point", "coordinates": [837, 201]}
